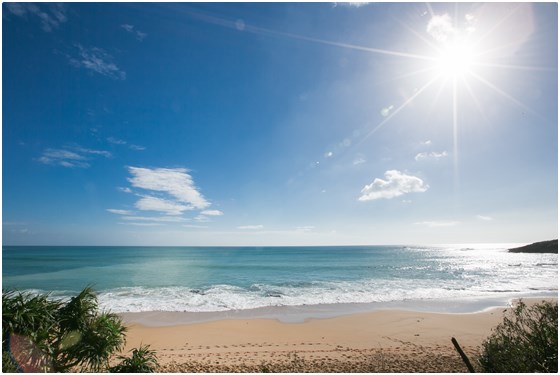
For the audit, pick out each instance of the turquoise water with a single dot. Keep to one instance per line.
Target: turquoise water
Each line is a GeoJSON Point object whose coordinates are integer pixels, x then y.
{"type": "Point", "coordinates": [239, 278]}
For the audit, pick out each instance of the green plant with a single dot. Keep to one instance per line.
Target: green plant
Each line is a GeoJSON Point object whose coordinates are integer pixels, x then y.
{"type": "Point", "coordinates": [42, 334]}
{"type": "Point", "coordinates": [142, 360]}
{"type": "Point", "coordinates": [526, 340]}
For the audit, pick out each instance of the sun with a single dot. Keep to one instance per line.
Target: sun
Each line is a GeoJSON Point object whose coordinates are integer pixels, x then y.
{"type": "Point", "coordinates": [455, 60]}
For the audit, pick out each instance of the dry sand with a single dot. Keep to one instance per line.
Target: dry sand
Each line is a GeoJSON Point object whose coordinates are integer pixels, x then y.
{"type": "Point", "coordinates": [381, 341]}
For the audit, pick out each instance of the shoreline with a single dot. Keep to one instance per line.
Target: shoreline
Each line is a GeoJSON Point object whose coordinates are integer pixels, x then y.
{"type": "Point", "coordinates": [388, 340]}
{"type": "Point", "coordinates": [300, 314]}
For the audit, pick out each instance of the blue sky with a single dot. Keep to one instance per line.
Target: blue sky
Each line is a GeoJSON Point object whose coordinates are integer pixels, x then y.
{"type": "Point", "coordinates": [279, 124]}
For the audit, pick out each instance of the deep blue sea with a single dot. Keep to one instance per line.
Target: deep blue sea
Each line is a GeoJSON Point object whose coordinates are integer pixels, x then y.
{"type": "Point", "coordinates": [202, 279]}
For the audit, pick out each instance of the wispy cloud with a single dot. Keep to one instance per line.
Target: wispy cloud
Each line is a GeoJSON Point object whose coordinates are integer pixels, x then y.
{"type": "Point", "coordinates": [51, 15]}
{"type": "Point", "coordinates": [305, 228]}
{"type": "Point", "coordinates": [484, 218]}
{"type": "Point", "coordinates": [251, 227]}
{"type": "Point", "coordinates": [358, 160]}
{"type": "Point", "coordinates": [176, 182]}
{"type": "Point", "coordinates": [430, 155]}
{"type": "Point", "coordinates": [436, 224]}
{"type": "Point", "coordinates": [119, 212]}
{"type": "Point", "coordinates": [142, 224]}
{"type": "Point", "coordinates": [195, 226]}
{"type": "Point", "coordinates": [97, 60]}
{"type": "Point", "coordinates": [117, 141]}
{"type": "Point", "coordinates": [74, 157]}
{"type": "Point", "coordinates": [396, 183]}
{"type": "Point", "coordinates": [124, 189]}
{"type": "Point", "coordinates": [355, 4]}
{"type": "Point", "coordinates": [131, 29]}
{"type": "Point", "coordinates": [159, 219]}
{"type": "Point", "coordinates": [212, 212]}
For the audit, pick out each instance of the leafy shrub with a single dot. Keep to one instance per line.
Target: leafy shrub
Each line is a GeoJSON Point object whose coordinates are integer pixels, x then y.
{"type": "Point", "coordinates": [142, 360]}
{"type": "Point", "coordinates": [40, 334]}
{"type": "Point", "coordinates": [526, 341]}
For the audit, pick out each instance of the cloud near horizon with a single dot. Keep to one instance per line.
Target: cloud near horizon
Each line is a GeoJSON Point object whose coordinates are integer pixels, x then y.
{"type": "Point", "coordinates": [395, 185]}
{"type": "Point", "coordinates": [251, 227]}
{"type": "Point", "coordinates": [436, 224]}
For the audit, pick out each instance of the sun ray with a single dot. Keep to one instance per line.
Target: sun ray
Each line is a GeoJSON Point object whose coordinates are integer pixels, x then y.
{"type": "Point", "coordinates": [504, 94]}
{"type": "Point", "coordinates": [266, 31]}
{"type": "Point", "coordinates": [430, 9]}
{"type": "Point", "coordinates": [420, 36]}
{"type": "Point", "coordinates": [516, 67]}
{"type": "Point", "coordinates": [474, 98]}
{"type": "Point", "coordinates": [438, 94]}
{"type": "Point", "coordinates": [406, 75]}
{"type": "Point", "coordinates": [455, 135]}
{"type": "Point", "coordinates": [396, 111]}
{"type": "Point", "coordinates": [496, 26]}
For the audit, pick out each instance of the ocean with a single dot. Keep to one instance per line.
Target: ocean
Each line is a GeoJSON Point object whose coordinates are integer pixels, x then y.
{"type": "Point", "coordinates": [218, 279]}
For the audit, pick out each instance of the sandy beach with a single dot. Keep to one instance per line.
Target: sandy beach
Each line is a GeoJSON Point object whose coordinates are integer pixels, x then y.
{"type": "Point", "coordinates": [379, 341]}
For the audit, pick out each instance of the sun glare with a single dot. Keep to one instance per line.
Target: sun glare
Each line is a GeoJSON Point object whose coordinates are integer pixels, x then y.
{"type": "Point", "coordinates": [455, 60]}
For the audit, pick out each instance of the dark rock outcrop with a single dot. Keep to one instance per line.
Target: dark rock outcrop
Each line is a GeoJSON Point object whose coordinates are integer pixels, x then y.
{"type": "Point", "coordinates": [538, 247]}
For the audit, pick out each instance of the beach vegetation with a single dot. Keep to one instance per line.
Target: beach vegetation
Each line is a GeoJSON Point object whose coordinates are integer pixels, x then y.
{"type": "Point", "coordinates": [43, 334]}
{"type": "Point", "coordinates": [142, 359]}
{"type": "Point", "coordinates": [526, 340]}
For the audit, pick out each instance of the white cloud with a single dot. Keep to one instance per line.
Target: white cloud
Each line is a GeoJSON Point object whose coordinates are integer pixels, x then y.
{"type": "Point", "coordinates": [212, 212]}
{"type": "Point", "coordinates": [106, 154]}
{"type": "Point", "coordinates": [63, 158]}
{"type": "Point", "coordinates": [436, 224]}
{"type": "Point", "coordinates": [202, 219]}
{"type": "Point", "coordinates": [125, 189]}
{"type": "Point", "coordinates": [305, 228]}
{"type": "Point", "coordinates": [142, 224]}
{"type": "Point", "coordinates": [116, 141]}
{"type": "Point", "coordinates": [359, 160]}
{"type": "Point", "coordinates": [354, 4]}
{"type": "Point", "coordinates": [395, 185]}
{"type": "Point", "coordinates": [195, 226]}
{"type": "Point", "coordinates": [430, 155]}
{"type": "Point", "coordinates": [168, 191]}
{"type": "Point", "coordinates": [484, 218]}
{"type": "Point", "coordinates": [251, 227]}
{"type": "Point", "coordinates": [139, 34]}
{"type": "Point", "coordinates": [74, 158]}
{"type": "Point", "coordinates": [149, 203]}
{"type": "Point", "coordinates": [51, 15]}
{"type": "Point", "coordinates": [440, 27]}
{"type": "Point", "coordinates": [119, 212]}
{"type": "Point", "coordinates": [164, 219]}
{"type": "Point", "coordinates": [173, 181]}
{"type": "Point", "coordinates": [97, 60]}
